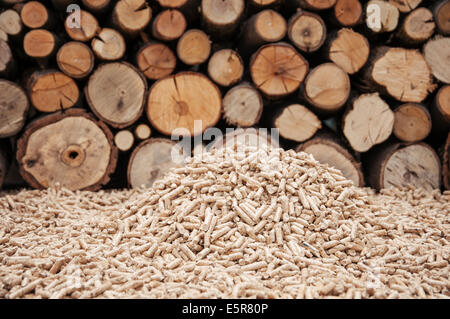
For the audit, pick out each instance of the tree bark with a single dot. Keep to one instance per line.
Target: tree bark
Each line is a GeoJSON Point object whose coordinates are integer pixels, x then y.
{"type": "Point", "coordinates": [221, 18]}
{"type": "Point", "coordinates": [131, 16]}
{"type": "Point", "coordinates": [52, 91]}
{"type": "Point", "coordinates": [417, 27]}
{"type": "Point", "coordinates": [194, 98]}
{"type": "Point", "coordinates": [307, 31]}
{"type": "Point", "coordinates": [226, 67]}
{"type": "Point", "coordinates": [72, 149]}
{"type": "Point", "coordinates": [242, 105]}
{"type": "Point", "coordinates": [169, 25]}
{"type": "Point", "coordinates": [13, 108]}
{"type": "Point", "coordinates": [156, 60]}
{"type": "Point", "coordinates": [412, 122]}
{"type": "Point", "coordinates": [75, 59]}
{"type": "Point", "coordinates": [194, 47]}
{"type": "Point", "coordinates": [436, 53]}
{"type": "Point", "coordinates": [109, 45]}
{"type": "Point", "coordinates": [278, 69]}
{"type": "Point", "coordinates": [120, 103]}
{"type": "Point", "coordinates": [348, 13]}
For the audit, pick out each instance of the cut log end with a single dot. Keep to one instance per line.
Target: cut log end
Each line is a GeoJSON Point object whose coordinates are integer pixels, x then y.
{"type": "Point", "coordinates": [225, 67]}
{"type": "Point", "coordinates": [348, 12]}
{"type": "Point", "coordinates": [13, 108]}
{"type": "Point", "coordinates": [52, 91]}
{"type": "Point", "coordinates": [172, 3]}
{"type": "Point", "coordinates": [441, 14]}
{"type": "Point", "coordinates": [412, 122]}
{"type": "Point", "coordinates": [242, 106]}
{"type": "Point", "coordinates": [96, 5]}
{"type": "Point", "coordinates": [151, 160]}
{"type": "Point", "coordinates": [75, 59]}
{"type": "Point", "coordinates": [297, 123]}
{"type": "Point", "coordinates": [39, 43]}
{"type": "Point", "coordinates": [369, 122]}
{"type": "Point", "coordinates": [270, 26]}
{"type": "Point", "coordinates": [222, 17]}
{"type": "Point", "coordinates": [194, 47]}
{"type": "Point", "coordinates": [7, 62]}
{"type": "Point", "coordinates": [142, 131]}
{"type": "Point", "coordinates": [443, 102]}
{"type": "Point", "coordinates": [73, 150]}
{"type": "Point", "coordinates": [109, 45]}
{"type": "Point", "coordinates": [259, 138]}
{"type": "Point", "coordinates": [316, 4]}
{"type": "Point", "coordinates": [417, 27]}
{"type": "Point", "coordinates": [10, 22]}
{"type": "Point", "coordinates": [169, 25]}
{"type": "Point", "coordinates": [87, 28]}
{"type": "Point", "coordinates": [323, 94]}
{"type": "Point", "coordinates": [307, 31]}
{"type": "Point", "coordinates": [34, 15]}
{"type": "Point", "coordinates": [194, 99]}
{"type": "Point", "coordinates": [381, 16]}
{"type": "Point", "coordinates": [132, 16]}
{"type": "Point", "coordinates": [436, 53]}
{"type": "Point", "coordinates": [405, 6]}
{"type": "Point", "coordinates": [121, 102]}
{"type": "Point", "coordinates": [124, 140]}
{"type": "Point", "coordinates": [278, 70]}
{"type": "Point", "coordinates": [156, 60]}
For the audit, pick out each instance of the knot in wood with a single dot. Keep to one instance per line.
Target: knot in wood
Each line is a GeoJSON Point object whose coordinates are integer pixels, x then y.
{"type": "Point", "coordinates": [73, 156]}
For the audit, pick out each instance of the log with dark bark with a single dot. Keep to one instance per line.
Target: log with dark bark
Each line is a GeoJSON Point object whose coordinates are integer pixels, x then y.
{"type": "Point", "coordinates": [72, 149]}
{"type": "Point", "coordinates": [242, 105]}
{"type": "Point", "coordinates": [116, 93]}
{"type": "Point", "coordinates": [412, 122]}
{"type": "Point", "coordinates": [307, 31]}
{"type": "Point", "coordinates": [156, 60]}
{"type": "Point", "coordinates": [13, 108]}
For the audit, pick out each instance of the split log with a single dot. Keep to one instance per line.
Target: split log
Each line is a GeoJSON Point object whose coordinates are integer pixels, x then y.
{"type": "Point", "coordinates": [35, 15]}
{"type": "Point", "coordinates": [151, 160]}
{"type": "Point", "coordinates": [124, 140]}
{"type": "Point", "coordinates": [221, 18]}
{"type": "Point", "coordinates": [369, 121]}
{"type": "Point", "coordinates": [194, 47]}
{"type": "Point", "coordinates": [11, 23]}
{"type": "Point", "coordinates": [327, 150]}
{"type": "Point", "coordinates": [242, 105]}
{"type": "Point", "coordinates": [446, 164]}
{"type": "Point", "coordinates": [40, 43]}
{"type": "Point", "coordinates": [417, 27]}
{"type": "Point", "coordinates": [440, 111]}
{"type": "Point", "coordinates": [264, 27]}
{"type": "Point", "coordinates": [412, 122]}
{"type": "Point", "coordinates": [405, 6]}
{"type": "Point", "coordinates": [169, 25]}
{"type": "Point", "coordinates": [296, 123]}
{"type": "Point", "coordinates": [348, 49]}
{"type": "Point", "coordinates": [194, 99]}
{"type": "Point", "coordinates": [436, 53]}
{"type": "Point", "coordinates": [403, 74]}
{"type": "Point", "coordinates": [402, 165]}
{"type": "Point", "coordinates": [278, 69]}
{"type": "Point", "coordinates": [156, 60]}
{"type": "Point", "coordinates": [87, 29]}
{"type": "Point", "coordinates": [116, 93]}
{"type": "Point", "coordinates": [96, 6]}
{"type": "Point", "coordinates": [313, 4]}
{"type": "Point", "coordinates": [226, 67]}
{"type": "Point", "coordinates": [52, 91]}
{"type": "Point", "coordinates": [348, 13]}
{"type": "Point", "coordinates": [131, 16]}
{"type": "Point", "coordinates": [307, 31]}
{"type": "Point", "coordinates": [142, 131]}
{"type": "Point", "coordinates": [13, 108]}
{"type": "Point", "coordinates": [8, 64]}
{"type": "Point", "coordinates": [72, 149]}
{"type": "Point", "coordinates": [327, 88]}
{"type": "Point", "coordinates": [251, 136]}
{"type": "Point", "coordinates": [109, 45]}
{"type": "Point", "coordinates": [381, 16]}
{"type": "Point", "coordinates": [441, 12]}
{"type": "Point", "coordinates": [75, 59]}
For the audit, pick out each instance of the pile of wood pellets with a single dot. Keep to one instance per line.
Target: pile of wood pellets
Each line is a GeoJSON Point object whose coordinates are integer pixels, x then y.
{"type": "Point", "coordinates": [253, 223]}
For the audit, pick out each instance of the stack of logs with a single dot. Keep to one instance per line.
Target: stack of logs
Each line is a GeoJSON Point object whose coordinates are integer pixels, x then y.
{"type": "Point", "coordinates": [91, 97]}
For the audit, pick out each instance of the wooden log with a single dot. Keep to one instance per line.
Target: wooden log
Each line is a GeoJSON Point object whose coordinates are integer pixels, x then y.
{"type": "Point", "coordinates": [405, 6]}
{"type": "Point", "coordinates": [403, 74]}
{"type": "Point", "coordinates": [278, 69]}
{"type": "Point", "coordinates": [242, 105]}
{"type": "Point", "coordinates": [307, 31]}
{"type": "Point", "coordinates": [96, 6]}
{"type": "Point", "coordinates": [381, 16]}
{"type": "Point", "coordinates": [226, 67]}
{"type": "Point", "coordinates": [327, 150]}
{"type": "Point", "coordinates": [221, 18]}
{"type": "Point", "coordinates": [264, 4]}
{"type": "Point", "coordinates": [312, 4]}
{"type": "Point", "coordinates": [260, 138]}
{"type": "Point", "coordinates": [108, 45]}
{"type": "Point", "coordinates": [40, 44]}
{"type": "Point", "coordinates": [75, 59]}
{"type": "Point", "coordinates": [131, 16]}
{"type": "Point", "coordinates": [88, 26]}
{"type": "Point", "coordinates": [116, 93]}
{"type": "Point", "coordinates": [348, 49]}
{"type": "Point", "coordinates": [436, 52]}
{"type": "Point", "coordinates": [368, 121]}
{"type": "Point", "coordinates": [264, 27]}
{"type": "Point", "coordinates": [156, 60]}
{"type": "Point", "coordinates": [8, 64]}
{"type": "Point", "coordinates": [441, 12]}
{"type": "Point", "coordinates": [13, 108]}
{"type": "Point", "coordinates": [124, 140]}
{"type": "Point", "coordinates": [194, 47]}
{"type": "Point", "coordinates": [446, 163]}
{"type": "Point", "coordinates": [348, 13]}
{"type": "Point", "coordinates": [297, 123]}
{"type": "Point", "coordinates": [72, 149]}
{"type": "Point", "coordinates": [402, 165]}
{"type": "Point", "coordinates": [11, 23]}
{"type": "Point", "coordinates": [440, 111]}
{"type": "Point", "coordinates": [151, 160]}
{"type": "Point", "coordinates": [52, 91]}
{"type": "Point", "coordinates": [3, 36]}
{"type": "Point", "coordinates": [169, 25]}
{"type": "Point", "coordinates": [327, 88]}
{"type": "Point", "coordinates": [412, 122]}
{"type": "Point", "coordinates": [35, 15]}
{"type": "Point", "coordinates": [142, 131]}
{"type": "Point", "coordinates": [194, 98]}
{"type": "Point", "coordinates": [417, 27]}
